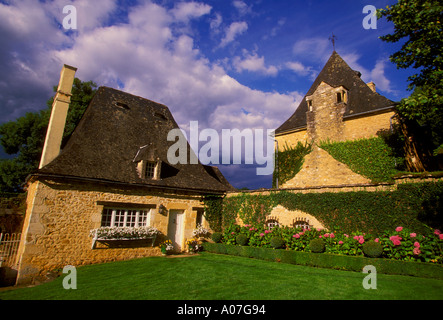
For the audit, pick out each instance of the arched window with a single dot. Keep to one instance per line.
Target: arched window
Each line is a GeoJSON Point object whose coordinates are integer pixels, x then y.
{"type": "Point", "coordinates": [301, 223]}
{"type": "Point", "coordinates": [272, 222]}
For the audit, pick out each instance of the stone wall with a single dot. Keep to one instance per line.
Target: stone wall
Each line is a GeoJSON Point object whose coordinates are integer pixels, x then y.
{"type": "Point", "coordinates": [325, 122]}
{"type": "Point", "coordinates": [321, 169]}
{"type": "Point", "coordinates": [61, 214]}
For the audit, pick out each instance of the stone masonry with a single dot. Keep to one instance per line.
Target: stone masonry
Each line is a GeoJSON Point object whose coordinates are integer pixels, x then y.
{"type": "Point", "coordinates": [60, 216]}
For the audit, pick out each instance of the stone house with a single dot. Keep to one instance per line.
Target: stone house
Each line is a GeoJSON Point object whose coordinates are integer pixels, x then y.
{"type": "Point", "coordinates": [113, 171]}
{"type": "Point", "coordinates": [339, 106]}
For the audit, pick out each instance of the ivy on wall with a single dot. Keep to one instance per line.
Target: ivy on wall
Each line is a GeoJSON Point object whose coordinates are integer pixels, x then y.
{"type": "Point", "coordinates": [290, 162]}
{"type": "Point", "coordinates": [371, 157]}
{"type": "Point", "coordinates": [415, 206]}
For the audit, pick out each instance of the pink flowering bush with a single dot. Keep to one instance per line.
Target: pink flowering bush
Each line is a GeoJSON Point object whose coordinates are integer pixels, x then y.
{"type": "Point", "coordinates": [400, 244]}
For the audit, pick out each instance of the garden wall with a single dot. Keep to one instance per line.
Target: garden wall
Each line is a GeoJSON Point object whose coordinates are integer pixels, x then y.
{"type": "Point", "coordinates": [371, 208]}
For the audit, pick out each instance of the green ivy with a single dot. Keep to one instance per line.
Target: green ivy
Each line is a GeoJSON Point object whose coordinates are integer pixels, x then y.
{"type": "Point", "coordinates": [371, 157]}
{"type": "Point", "coordinates": [290, 161]}
{"type": "Point", "coordinates": [415, 206]}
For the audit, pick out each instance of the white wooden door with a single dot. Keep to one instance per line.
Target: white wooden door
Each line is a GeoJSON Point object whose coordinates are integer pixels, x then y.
{"type": "Point", "coordinates": [175, 228]}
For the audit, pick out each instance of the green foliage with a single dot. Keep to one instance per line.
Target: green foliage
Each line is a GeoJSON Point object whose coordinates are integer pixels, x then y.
{"type": "Point", "coordinates": [290, 161]}
{"type": "Point", "coordinates": [217, 237]}
{"type": "Point", "coordinates": [418, 25]}
{"type": "Point", "coordinates": [371, 158]}
{"type": "Point", "coordinates": [326, 260]}
{"type": "Point", "coordinates": [25, 136]}
{"type": "Point", "coordinates": [317, 246]}
{"type": "Point", "coordinates": [277, 242]}
{"type": "Point", "coordinates": [426, 246]}
{"type": "Point", "coordinates": [414, 206]}
{"type": "Point", "coordinates": [372, 249]}
{"type": "Point", "coordinates": [213, 212]}
{"type": "Point", "coordinates": [242, 240]}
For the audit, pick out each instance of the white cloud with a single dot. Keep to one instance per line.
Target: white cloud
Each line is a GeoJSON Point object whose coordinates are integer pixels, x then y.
{"type": "Point", "coordinates": [302, 70]}
{"type": "Point", "coordinates": [216, 22]}
{"type": "Point", "coordinates": [379, 78]}
{"type": "Point", "coordinates": [252, 62]}
{"type": "Point", "coordinates": [377, 74]}
{"type": "Point", "coordinates": [152, 61]}
{"type": "Point", "coordinates": [313, 49]}
{"type": "Point", "coordinates": [235, 29]}
{"type": "Point", "coordinates": [242, 7]}
{"type": "Point", "coordinates": [184, 11]}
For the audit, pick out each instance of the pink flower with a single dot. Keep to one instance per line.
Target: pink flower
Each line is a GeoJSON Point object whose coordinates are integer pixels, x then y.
{"type": "Point", "coordinates": [332, 235]}
{"type": "Point", "coordinates": [377, 240]}
{"type": "Point", "coordinates": [232, 232]}
{"type": "Point", "coordinates": [247, 225]}
{"type": "Point", "coordinates": [361, 240]}
{"type": "Point", "coordinates": [320, 236]}
{"type": "Point", "coordinates": [440, 236]}
{"type": "Point", "coordinates": [398, 229]}
{"type": "Point", "coordinates": [356, 238]}
{"type": "Point", "coordinates": [396, 240]}
{"type": "Point", "coordinates": [347, 236]}
{"type": "Point", "coordinates": [251, 229]}
{"type": "Point", "coordinates": [267, 231]}
{"type": "Point", "coordinates": [340, 242]}
{"type": "Point", "coordinates": [413, 235]}
{"type": "Point", "coordinates": [416, 251]}
{"type": "Point", "coordinates": [437, 232]}
{"type": "Point", "coordinates": [296, 236]}
{"type": "Point", "coordinates": [326, 235]}
{"type": "Point", "coordinates": [262, 234]}
{"type": "Point", "coordinates": [416, 244]}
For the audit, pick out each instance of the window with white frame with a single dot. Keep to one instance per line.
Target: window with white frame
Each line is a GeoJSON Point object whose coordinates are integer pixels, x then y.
{"type": "Point", "coordinates": [271, 223]}
{"type": "Point", "coordinates": [114, 217]}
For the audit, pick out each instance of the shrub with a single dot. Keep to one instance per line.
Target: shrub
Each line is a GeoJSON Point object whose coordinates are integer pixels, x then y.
{"type": "Point", "coordinates": [277, 242]}
{"type": "Point", "coordinates": [372, 249]}
{"type": "Point", "coordinates": [317, 245]}
{"type": "Point", "coordinates": [242, 240]}
{"type": "Point", "coordinates": [216, 237]}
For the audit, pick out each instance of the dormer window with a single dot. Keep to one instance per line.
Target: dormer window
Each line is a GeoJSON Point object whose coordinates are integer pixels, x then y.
{"type": "Point", "coordinates": [309, 104]}
{"type": "Point", "coordinates": [342, 96]}
{"type": "Point", "coordinates": [150, 168]}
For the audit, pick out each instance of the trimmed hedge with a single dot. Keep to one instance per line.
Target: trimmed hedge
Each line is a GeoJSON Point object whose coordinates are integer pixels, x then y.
{"type": "Point", "coordinates": [332, 261]}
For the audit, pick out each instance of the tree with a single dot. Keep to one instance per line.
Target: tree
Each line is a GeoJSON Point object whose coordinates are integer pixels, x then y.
{"type": "Point", "coordinates": [25, 136]}
{"type": "Point", "coordinates": [419, 24]}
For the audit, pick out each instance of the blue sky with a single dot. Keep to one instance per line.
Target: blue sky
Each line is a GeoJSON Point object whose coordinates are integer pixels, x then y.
{"type": "Point", "coordinates": [226, 64]}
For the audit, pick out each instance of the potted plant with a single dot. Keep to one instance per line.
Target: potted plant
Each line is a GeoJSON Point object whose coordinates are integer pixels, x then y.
{"type": "Point", "coordinates": [193, 246]}
{"type": "Point", "coordinates": [166, 247]}
{"type": "Point", "coordinates": [200, 233]}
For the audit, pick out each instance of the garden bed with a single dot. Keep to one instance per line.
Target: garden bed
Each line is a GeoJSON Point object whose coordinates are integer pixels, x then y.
{"type": "Point", "coordinates": [333, 261]}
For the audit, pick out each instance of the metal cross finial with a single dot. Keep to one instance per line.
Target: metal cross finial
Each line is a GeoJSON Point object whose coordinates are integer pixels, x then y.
{"type": "Point", "coordinates": [332, 38]}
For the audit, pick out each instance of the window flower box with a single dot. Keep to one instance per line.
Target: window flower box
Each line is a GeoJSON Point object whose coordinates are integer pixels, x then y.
{"type": "Point", "coordinates": [106, 234]}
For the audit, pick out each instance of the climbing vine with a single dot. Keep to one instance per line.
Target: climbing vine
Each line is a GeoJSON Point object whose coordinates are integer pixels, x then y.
{"type": "Point", "coordinates": [290, 162]}
{"type": "Point", "coordinates": [415, 206]}
{"type": "Point", "coordinates": [372, 157]}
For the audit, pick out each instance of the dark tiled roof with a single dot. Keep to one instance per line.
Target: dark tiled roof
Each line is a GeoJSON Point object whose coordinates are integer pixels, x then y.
{"type": "Point", "coordinates": [106, 144]}
{"type": "Point", "coordinates": [336, 72]}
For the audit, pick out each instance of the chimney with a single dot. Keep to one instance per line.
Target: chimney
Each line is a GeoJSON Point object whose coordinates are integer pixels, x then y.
{"type": "Point", "coordinates": [57, 122]}
{"type": "Point", "coordinates": [371, 86]}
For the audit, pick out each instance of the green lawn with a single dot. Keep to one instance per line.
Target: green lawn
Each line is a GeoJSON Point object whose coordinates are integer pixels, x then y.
{"type": "Point", "coordinates": [210, 277]}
